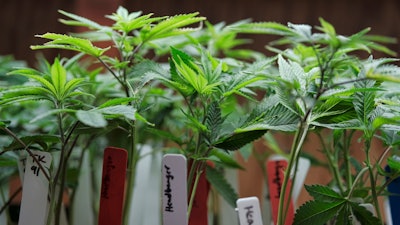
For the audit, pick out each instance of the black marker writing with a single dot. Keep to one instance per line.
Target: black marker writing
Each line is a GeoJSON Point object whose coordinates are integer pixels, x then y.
{"type": "Point", "coordinates": [168, 191]}
{"type": "Point", "coordinates": [277, 179]}
{"type": "Point", "coordinates": [249, 215]}
{"type": "Point", "coordinates": [107, 177]}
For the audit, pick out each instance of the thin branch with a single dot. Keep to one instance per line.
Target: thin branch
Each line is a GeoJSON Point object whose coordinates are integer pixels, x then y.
{"type": "Point", "coordinates": [8, 131]}
{"type": "Point", "coordinates": [8, 203]}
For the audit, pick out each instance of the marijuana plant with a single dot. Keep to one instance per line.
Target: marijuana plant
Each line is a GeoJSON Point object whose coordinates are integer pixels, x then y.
{"type": "Point", "coordinates": [327, 85]}
{"type": "Point", "coordinates": [132, 35]}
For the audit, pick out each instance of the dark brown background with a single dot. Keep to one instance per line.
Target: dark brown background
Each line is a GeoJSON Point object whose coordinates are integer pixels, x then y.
{"type": "Point", "coordinates": [20, 20]}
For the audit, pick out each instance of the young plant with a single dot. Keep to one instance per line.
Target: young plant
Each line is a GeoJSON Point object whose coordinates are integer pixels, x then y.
{"type": "Point", "coordinates": [327, 85]}
{"type": "Point", "coordinates": [210, 119]}
{"type": "Point", "coordinates": [132, 35]}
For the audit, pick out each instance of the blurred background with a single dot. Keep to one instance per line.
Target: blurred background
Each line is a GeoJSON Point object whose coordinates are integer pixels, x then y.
{"type": "Point", "coordinates": [20, 20]}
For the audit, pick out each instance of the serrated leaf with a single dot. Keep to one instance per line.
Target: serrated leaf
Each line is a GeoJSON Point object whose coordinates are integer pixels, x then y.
{"type": "Point", "coordinates": [224, 158]}
{"type": "Point", "coordinates": [213, 121]}
{"type": "Point", "coordinates": [79, 21]}
{"type": "Point", "coordinates": [218, 181]}
{"type": "Point", "coordinates": [364, 216]}
{"type": "Point", "coordinates": [364, 101]}
{"type": "Point", "coordinates": [172, 26]}
{"type": "Point", "coordinates": [237, 140]}
{"type": "Point", "coordinates": [317, 213]}
{"type": "Point", "coordinates": [323, 193]}
{"type": "Point", "coordinates": [37, 76]}
{"type": "Point", "coordinates": [61, 41]}
{"type": "Point", "coordinates": [91, 118]}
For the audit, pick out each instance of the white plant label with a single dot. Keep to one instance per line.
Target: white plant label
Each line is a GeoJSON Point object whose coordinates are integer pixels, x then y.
{"type": "Point", "coordinates": [249, 211]}
{"type": "Point", "coordinates": [302, 171]}
{"type": "Point", "coordinates": [35, 190]}
{"type": "Point", "coordinates": [174, 189]}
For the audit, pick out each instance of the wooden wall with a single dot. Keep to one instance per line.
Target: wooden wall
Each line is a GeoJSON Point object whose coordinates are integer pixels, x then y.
{"type": "Point", "coordinates": [20, 20]}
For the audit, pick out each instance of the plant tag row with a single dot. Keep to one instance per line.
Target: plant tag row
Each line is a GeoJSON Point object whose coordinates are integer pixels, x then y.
{"type": "Point", "coordinates": [276, 167]}
{"type": "Point", "coordinates": [174, 189]}
{"type": "Point", "coordinates": [112, 186]}
{"type": "Point", "coordinates": [35, 189]}
{"type": "Point", "coordinates": [249, 211]}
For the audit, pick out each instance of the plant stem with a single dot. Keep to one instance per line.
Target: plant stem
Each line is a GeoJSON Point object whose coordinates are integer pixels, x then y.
{"type": "Point", "coordinates": [8, 203]}
{"type": "Point", "coordinates": [372, 178]}
{"type": "Point", "coordinates": [331, 163]}
{"type": "Point", "coordinates": [199, 171]}
{"type": "Point", "coordinates": [131, 174]}
{"type": "Point", "coordinates": [293, 160]}
{"type": "Point", "coordinates": [359, 175]}
{"type": "Point", "coordinates": [346, 157]}
{"type": "Point", "coordinates": [57, 189]}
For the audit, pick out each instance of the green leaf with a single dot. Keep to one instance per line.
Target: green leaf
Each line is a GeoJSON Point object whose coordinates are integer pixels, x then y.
{"type": "Point", "coordinates": [218, 181]}
{"type": "Point", "coordinates": [344, 216]}
{"type": "Point", "coordinates": [91, 118]}
{"type": "Point", "coordinates": [172, 26]}
{"type": "Point", "coordinates": [37, 76]}
{"type": "Point", "coordinates": [58, 78]}
{"type": "Point", "coordinates": [323, 193]}
{"type": "Point", "coordinates": [43, 140]}
{"type": "Point", "coordinates": [224, 158]}
{"type": "Point", "coordinates": [330, 31]}
{"type": "Point", "coordinates": [51, 112]}
{"type": "Point", "coordinates": [237, 140]}
{"type": "Point", "coordinates": [61, 41]}
{"type": "Point", "coordinates": [317, 213]}
{"type": "Point", "coordinates": [119, 110]}
{"type": "Point", "coordinates": [394, 162]}
{"type": "Point", "coordinates": [364, 216]}
{"type": "Point", "coordinates": [213, 121]}
{"type": "Point", "coordinates": [18, 94]}
{"type": "Point", "coordinates": [364, 101]}
{"type": "Point", "coordinates": [127, 22]}
{"type": "Point", "coordinates": [79, 21]}
{"type": "Point", "coordinates": [264, 28]}
{"type": "Point", "coordinates": [194, 122]}
{"type": "Point", "coordinates": [117, 101]}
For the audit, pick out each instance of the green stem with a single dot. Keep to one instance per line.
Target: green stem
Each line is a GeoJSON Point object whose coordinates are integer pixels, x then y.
{"type": "Point", "coordinates": [131, 174]}
{"type": "Point", "coordinates": [55, 188]}
{"type": "Point", "coordinates": [346, 153]}
{"type": "Point", "coordinates": [293, 160]}
{"type": "Point", "coordinates": [9, 201]}
{"type": "Point", "coordinates": [199, 171]}
{"type": "Point", "coordinates": [192, 171]}
{"type": "Point", "coordinates": [359, 175]}
{"type": "Point", "coordinates": [372, 179]}
{"type": "Point", "coordinates": [331, 163]}
{"type": "Point", "coordinates": [384, 186]}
